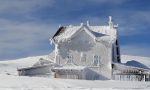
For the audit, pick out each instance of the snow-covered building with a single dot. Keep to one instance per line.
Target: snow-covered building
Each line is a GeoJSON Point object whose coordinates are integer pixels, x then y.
{"type": "Point", "coordinates": [94, 47]}
{"type": "Point", "coordinates": [127, 72]}
{"type": "Point", "coordinates": [87, 52]}
{"type": "Point", "coordinates": [41, 68]}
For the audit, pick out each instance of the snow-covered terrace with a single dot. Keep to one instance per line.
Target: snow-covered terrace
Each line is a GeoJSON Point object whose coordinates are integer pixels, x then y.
{"type": "Point", "coordinates": [124, 69]}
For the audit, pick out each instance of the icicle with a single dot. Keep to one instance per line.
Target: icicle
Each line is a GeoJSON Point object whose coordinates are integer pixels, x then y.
{"type": "Point", "coordinates": [51, 41]}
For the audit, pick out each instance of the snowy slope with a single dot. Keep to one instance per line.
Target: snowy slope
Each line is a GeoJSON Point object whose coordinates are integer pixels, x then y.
{"type": "Point", "coordinates": [14, 82]}
{"type": "Point", "coordinates": [143, 60]}
{"type": "Point", "coordinates": [136, 64]}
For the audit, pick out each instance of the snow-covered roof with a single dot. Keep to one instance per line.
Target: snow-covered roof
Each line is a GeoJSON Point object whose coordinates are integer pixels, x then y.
{"type": "Point", "coordinates": [43, 62]}
{"type": "Point", "coordinates": [33, 67]}
{"type": "Point", "coordinates": [104, 30]}
{"type": "Point", "coordinates": [40, 65]}
{"type": "Point", "coordinates": [99, 33]}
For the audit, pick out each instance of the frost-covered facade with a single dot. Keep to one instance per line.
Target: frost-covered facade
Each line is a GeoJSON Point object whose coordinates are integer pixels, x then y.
{"type": "Point", "coordinates": [94, 47]}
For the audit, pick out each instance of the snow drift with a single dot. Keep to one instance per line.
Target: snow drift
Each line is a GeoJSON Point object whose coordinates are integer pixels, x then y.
{"type": "Point", "coordinates": [10, 81]}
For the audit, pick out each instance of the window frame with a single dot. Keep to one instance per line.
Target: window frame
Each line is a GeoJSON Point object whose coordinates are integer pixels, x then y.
{"type": "Point", "coordinates": [69, 59]}
{"type": "Point", "coordinates": [83, 57]}
{"type": "Point", "coordinates": [96, 60]}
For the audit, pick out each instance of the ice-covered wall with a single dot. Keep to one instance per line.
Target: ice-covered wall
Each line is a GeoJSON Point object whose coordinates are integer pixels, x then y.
{"type": "Point", "coordinates": [81, 49]}
{"type": "Point", "coordinates": [77, 72]}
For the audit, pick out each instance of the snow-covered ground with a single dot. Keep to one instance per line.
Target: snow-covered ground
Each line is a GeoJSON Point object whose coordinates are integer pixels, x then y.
{"type": "Point", "coordinates": [36, 83]}
{"type": "Point", "coordinates": [10, 81]}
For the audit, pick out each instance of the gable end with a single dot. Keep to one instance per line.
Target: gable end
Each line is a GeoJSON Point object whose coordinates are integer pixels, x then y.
{"type": "Point", "coordinates": [59, 31]}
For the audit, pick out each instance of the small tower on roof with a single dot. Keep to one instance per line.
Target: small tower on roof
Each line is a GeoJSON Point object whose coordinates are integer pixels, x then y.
{"type": "Point", "coordinates": [110, 23]}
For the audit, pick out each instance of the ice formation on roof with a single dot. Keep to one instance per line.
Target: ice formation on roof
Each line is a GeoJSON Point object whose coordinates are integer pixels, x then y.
{"type": "Point", "coordinates": [107, 33]}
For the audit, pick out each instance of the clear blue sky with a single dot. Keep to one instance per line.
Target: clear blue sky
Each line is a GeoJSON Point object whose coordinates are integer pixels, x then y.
{"type": "Point", "coordinates": [27, 25]}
